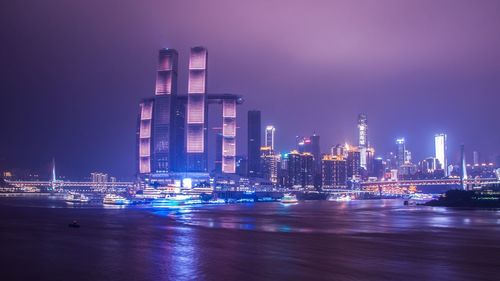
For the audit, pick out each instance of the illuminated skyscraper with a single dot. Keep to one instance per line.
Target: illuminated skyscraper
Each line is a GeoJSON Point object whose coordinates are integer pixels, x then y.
{"type": "Point", "coordinates": [475, 158]}
{"type": "Point", "coordinates": [218, 153]}
{"type": "Point", "coordinates": [337, 149]}
{"type": "Point", "coordinates": [440, 147]}
{"type": "Point", "coordinates": [164, 112]}
{"type": "Point", "coordinates": [165, 151]}
{"type": "Point", "coordinates": [269, 164]}
{"type": "Point", "coordinates": [353, 163]}
{"type": "Point", "coordinates": [161, 121]}
{"type": "Point", "coordinates": [401, 153]}
{"type": "Point", "coordinates": [197, 111]}
{"type": "Point", "coordinates": [229, 136]}
{"type": "Point", "coordinates": [254, 138]}
{"type": "Point", "coordinates": [144, 136]}
{"type": "Point", "coordinates": [269, 137]}
{"type": "Point", "coordinates": [293, 167]}
{"type": "Point", "coordinates": [311, 145]}
{"type": "Point", "coordinates": [363, 139]}
{"type": "Point", "coordinates": [334, 172]}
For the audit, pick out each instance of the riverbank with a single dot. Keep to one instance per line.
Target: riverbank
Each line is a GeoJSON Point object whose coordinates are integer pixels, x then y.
{"type": "Point", "coordinates": [484, 198]}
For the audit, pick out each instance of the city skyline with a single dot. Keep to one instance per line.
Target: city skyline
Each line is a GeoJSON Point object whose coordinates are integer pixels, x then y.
{"type": "Point", "coordinates": [89, 114]}
{"type": "Point", "coordinates": [250, 140]}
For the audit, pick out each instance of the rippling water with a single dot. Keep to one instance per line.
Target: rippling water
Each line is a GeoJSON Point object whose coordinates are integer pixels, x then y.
{"type": "Point", "coordinates": [316, 240]}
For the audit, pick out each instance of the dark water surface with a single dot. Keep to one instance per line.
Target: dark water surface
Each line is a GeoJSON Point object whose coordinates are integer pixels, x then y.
{"type": "Point", "coordinates": [316, 240]}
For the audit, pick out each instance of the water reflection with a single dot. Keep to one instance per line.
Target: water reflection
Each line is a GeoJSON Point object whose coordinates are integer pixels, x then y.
{"type": "Point", "coordinates": [375, 216]}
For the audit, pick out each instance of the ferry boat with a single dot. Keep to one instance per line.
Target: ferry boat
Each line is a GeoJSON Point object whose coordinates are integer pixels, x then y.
{"type": "Point", "coordinates": [113, 199]}
{"type": "Point", "coordinates": [172, 200]}
{"type": "Point", "coordinates": [149, 193]}
{"type": "Point", "coordinates": [341, 198]}
{"type": "Point", "coordinates": [289, 199]}
{"type": "Point", "coordinates": [74, 197]}
{"type": "Point", "coordinates": [421, 197]}
{"type": "Point", "coordinates": [216, 201]}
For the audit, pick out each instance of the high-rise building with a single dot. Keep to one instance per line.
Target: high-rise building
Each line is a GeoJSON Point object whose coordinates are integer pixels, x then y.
{"type": "Point", "coordinates": [311, 145]}
{"type": "Point", "coordinates": [475, 158]}
{"type": "Point", "coordinates": [300, 169]}
{"type": "Point", "coordinates": [229, 136]}
{"type": "Point", "coordinates": [144, 136]}
{"type": "Point", "coordinates": [164, 111]}
{"type": "Point", "coordinates": [197, 111]}
{"type": "Point", "coordinates": [269, 164]}
{"type": "Point", "coordinates": [293, 166]}
{"type": "Point", "coordinates": [316, 152]}
{"type": "Point", "coordinates": [334, 172]}
{"type": "Point", "coordinates": [160, 132]}
{"type": "Point", "coordinates": [378, 168]}
{"type": "Point", "coordinates": [429, 165]}
{"type": "Point", "coordinates": [172, 129]}
{"type": "Point", "coordinates": [269, 137]}
{"type": "Point", "coordinates": [370, 155]}
{"type": "Point", "coordinates": [407, 157]}
{"type": "Point", "coordinates": [401, 153]}
{"type": "Point", "coordinates": [440, 147]}
{"type": "Point", "coordinates": [254, 139]}
{"type": "Point", "coordinates": [337, 150]}
{"type": "Point", "coordinates": [353, 162]}
{"type": "Point", "coordinates": [363, 139]}
{"type": "Point", "coordinates": [307, 169]}
{"type": "Point", "coordinates": [218, 153]}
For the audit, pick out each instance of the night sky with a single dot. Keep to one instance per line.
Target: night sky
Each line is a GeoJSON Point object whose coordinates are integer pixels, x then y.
{"type": "Point", "coordinates": [73, 72]}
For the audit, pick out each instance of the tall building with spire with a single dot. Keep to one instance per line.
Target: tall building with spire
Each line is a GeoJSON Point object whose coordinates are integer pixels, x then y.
{"type": "Point", "coordinates": [363, 140]}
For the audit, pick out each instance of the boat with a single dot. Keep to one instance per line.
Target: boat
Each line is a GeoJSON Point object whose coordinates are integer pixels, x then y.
{"type": "Point", "coordinates": [216, 201]}
{"type": "Point", "coordinates": [74, 197]}
{"type": "Point", "coordinates": [172, 201]}
{"type": "Point", "coordinates": [421, 197]}
{"type": "Point", "coordinates": [114, 199]}
{"type": "Point", "coordinates": [74, 224]}
{"type": "Point", "coordinates": [245, 200]}
{"type": "Point", "coordinates": [149, 193]}
{"type": "Point", "coordinates": [289, 199]}
{"type": "Point", "coordinates": [341, 198]}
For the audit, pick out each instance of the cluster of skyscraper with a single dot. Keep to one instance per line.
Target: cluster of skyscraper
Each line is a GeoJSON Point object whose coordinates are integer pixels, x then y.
{"type": "Point", "coordinates": [172, 129]}
{"type": "Point", "coordinates": [345, 165]}
{"type": "Point", "coordinates": [172, 142]}
{"type": "Point", "coordinates": [305, 166]}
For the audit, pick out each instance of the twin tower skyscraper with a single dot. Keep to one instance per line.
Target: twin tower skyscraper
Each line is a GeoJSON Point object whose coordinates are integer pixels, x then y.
{"type": "Point", "coordinates": [172, 133]}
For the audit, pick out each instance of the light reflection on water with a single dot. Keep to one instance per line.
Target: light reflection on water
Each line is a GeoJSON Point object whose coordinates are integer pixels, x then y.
{"type": "Point", "coordinates": [316, 240]}
{"type": "Point", "coordinates": [374, 216]}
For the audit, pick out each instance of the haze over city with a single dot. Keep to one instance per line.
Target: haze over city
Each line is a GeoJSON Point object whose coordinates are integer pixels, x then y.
{"type": "Point", "coordinates": [73, 73]}
{"type": "Point", "coordinates": [250, 140]}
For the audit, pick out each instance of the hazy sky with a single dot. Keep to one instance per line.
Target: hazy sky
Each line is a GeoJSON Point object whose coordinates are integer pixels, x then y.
{"type": "Point", "coordinates": [73, 72]}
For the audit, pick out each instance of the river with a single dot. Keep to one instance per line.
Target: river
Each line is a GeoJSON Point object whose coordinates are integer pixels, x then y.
{"type": "Point", "coordinates": [312, 240]}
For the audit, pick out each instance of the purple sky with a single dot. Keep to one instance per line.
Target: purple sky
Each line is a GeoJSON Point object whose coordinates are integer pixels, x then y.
{"type": "Point", "coordinates": [73, 72]}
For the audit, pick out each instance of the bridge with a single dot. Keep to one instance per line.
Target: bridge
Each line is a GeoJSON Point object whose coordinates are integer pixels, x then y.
{"type": "Point", "coordinates": [68, 184]}
{"type": "Point", "coordinates": [408, 183]}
